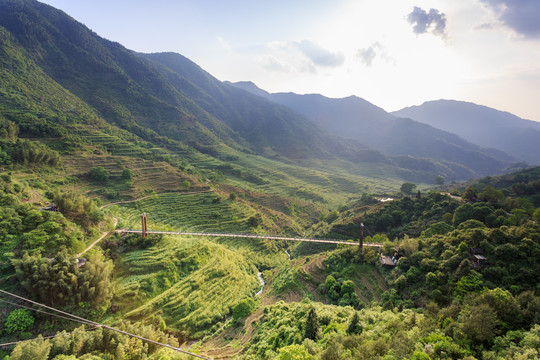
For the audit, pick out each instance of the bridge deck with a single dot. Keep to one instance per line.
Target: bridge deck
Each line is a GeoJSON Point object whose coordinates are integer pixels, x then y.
{"type": "Point", "coordinates": [249, 236]}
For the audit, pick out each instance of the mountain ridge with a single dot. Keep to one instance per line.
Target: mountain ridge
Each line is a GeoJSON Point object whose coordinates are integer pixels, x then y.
{"type": "Point", "coordinates": [357, 118]}
{"type": "Point", "coordinates": [481, 124]}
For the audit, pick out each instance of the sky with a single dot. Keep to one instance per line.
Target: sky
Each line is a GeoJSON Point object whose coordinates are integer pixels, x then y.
{"type": "Point", "coordinates": [393, 53]}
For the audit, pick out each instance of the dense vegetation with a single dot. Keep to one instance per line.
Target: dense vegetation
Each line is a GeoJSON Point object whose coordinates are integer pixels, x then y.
{"type": "Point", "coordinates": [92, 135]}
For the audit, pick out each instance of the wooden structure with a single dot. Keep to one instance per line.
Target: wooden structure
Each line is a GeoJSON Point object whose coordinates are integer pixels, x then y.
{"type": "Point", "coordinates": [387, 260]}
{"type": "Point", "coordinates": [144, 222]}
{"type": "Point", "coordinates": [361, 240]}
{"type": "Point", "coordinates": [51, 207]}
{"type": "Point", "coordinates": [479, 260]}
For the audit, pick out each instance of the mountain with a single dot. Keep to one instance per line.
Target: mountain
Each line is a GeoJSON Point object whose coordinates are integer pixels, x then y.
{"type": "Point", "coordinates": [170, 102]}
{"type": "Point", "coordinates": [360, 120]}
{"type": "Point", "coordinates": [481, 125]}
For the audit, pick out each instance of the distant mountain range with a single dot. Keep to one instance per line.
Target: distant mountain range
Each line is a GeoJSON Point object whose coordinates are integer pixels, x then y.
{"type": "Point", "coordinates": [64, 74]}
{"type": "Point", "coordinates": [481, 125]}
{"type": "Point", "coordinates": [358, 119]}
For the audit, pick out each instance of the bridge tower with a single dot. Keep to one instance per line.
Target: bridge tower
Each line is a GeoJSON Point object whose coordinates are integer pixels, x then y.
{"type": "Point", "coordinates": [361, 240]}
{"type": "Point", "coordinates": [144, 225]}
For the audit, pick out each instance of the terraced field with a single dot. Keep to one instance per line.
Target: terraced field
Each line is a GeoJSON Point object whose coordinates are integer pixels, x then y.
{"type": "Point", "coordinates": [192, 284]}
{"type": "Point", "coordinates": [202, 212]}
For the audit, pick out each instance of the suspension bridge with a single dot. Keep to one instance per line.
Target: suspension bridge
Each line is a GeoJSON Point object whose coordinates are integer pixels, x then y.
{"type": "Point", "coordinates": [145, 232]}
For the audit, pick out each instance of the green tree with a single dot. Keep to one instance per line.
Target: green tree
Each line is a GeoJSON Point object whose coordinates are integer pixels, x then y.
{"type": "Point", "coordinates": [294, 352]}
{"type": "Point", "coordinates": [311, 330]}
{"type": "Point", "coordinates": [491, 195]}
{"type": "Point", "coordinates": [243, 309]}
{"type": "Point", "coordinates": [478, 323]}
{"type": "Point", "coordinates": [536, 215]}
{"type": "Point", "coordinates": [407, 188]}
{"type": "Point", "coordinates": [439, 180]}
{"type": "Point", "coordinates": [127, 174]}
{"type": "Point", "coordinates": [186, 185]}
{"type": "Point", "coordinates": [354, 326]}
{"type": "Point", "coordinates": [37, 349]}
{"type": "Point", "coordinates": [470, 194]}
{"type": "Point", "coordinates": [232, 196]}
{"type": "Point", "coordinates": [99, 174]}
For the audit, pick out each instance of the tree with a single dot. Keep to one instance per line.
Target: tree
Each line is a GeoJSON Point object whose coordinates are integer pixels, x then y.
{"type": "Point", "coordinates": [311, 330]}
{"type": "Point", "coordinates": [99, 174]}
{"type": "Point", "coordinates": [536, 215]}
{"type": "Point", "coordinates": [407, 188]}
{"type": "Point", "coordinates": [232, 196]}
{"type": "Point", "coordinates": [491, 195]}
{"type": "Point", "coordinates": [243, 309]}
{"type": "Point", "coordinates": [186, 185]}
{"type": "Point", "coordinates": [294, 352]}
{"type": "Point", "coordinates": [354, 326]}
{"type": "Point", "coordinates": [439, 180]}
{"type": "Point", "coordinates": [127, 174]}
{"type": "Point", "coordinates": [478, 323]}
{"type": "Point", "coordinates": [470, 194]}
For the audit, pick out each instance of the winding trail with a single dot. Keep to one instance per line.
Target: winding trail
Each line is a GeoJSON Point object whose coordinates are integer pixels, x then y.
{"type": "Point", "coordinates": [98, 240]}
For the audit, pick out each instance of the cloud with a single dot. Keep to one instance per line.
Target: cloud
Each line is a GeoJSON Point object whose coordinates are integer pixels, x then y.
{"type": "Point", "coordinates": [285, 57]}
{"type": "Point", "coordinates": [522, 16]}
{"type": "Point", "coordinates": [367, 55]}
{"type": "Point", "coordinates": [423, 22]}
{"type": "Point", "coordinates": [319, 55]}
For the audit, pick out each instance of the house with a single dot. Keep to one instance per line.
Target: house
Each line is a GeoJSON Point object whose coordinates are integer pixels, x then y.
{"type": "Point", "coordinates": [479, 260]}
{"type": "Point", "coordinates": [387, 260]}
{"type": "Point", "coordinates": [51, 207]}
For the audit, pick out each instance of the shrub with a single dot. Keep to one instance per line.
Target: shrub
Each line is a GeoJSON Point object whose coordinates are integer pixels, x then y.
{"type": "Point", "coordinates": [18, 321]}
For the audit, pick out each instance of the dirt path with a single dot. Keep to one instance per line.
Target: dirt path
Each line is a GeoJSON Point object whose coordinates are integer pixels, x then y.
{"type": "Point", "coordinates": [98, 240]}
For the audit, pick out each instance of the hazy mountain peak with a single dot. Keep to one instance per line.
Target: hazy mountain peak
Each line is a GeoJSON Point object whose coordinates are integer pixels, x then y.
{"type": "Point", "coordinates": [482, 125]}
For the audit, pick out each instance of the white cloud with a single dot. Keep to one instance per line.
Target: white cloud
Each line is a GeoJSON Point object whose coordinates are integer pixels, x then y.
{"type": "Point", "coordinates": [369, 54]}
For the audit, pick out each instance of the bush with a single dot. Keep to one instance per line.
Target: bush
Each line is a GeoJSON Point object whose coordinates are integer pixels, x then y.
{"type": "Point", "coordinates": [18, 321]}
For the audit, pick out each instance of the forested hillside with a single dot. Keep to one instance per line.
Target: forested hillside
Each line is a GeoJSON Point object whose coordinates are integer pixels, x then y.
{"type": "Point", "coordinates": [93, 135]}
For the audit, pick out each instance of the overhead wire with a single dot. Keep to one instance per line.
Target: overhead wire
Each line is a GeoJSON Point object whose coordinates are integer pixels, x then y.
{"type": "Point", "coordinates": [89, 322]}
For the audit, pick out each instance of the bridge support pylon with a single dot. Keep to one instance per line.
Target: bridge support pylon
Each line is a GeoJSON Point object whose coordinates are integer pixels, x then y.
{"type": "Point", "coordinates": [144, 225]}
{"type": "Point", "coordinates": [361, 240]}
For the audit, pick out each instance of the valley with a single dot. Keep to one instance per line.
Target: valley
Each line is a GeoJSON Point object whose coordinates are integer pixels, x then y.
{"type": "Point", "coordinates": [93, 135]}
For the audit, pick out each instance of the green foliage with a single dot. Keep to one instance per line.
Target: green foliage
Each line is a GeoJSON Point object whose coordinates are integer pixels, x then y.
{"type": "Point", "coordinates": [79, 208]}
{"type": "Point", "coordinates": [311, 330]}
{"type": "Point", "coordinates": [102, 343]}
{"type": "Point", "coordinates": [191, 284]}
{"type": "Point", "coordinates": [99, 174]}
{"type": "Point", "coordinates": [186, 185]}
{"type": "Point", "coordinates": [354, 326]}
{"type": "Point", "coordinates": [243, 309]}
{"type": "Point", "coordinates": [127, 174]}
{"type": "Point", "coordinates": [61, 282]}
{"type": "Point", "coordinates": [294, 352]}
{"type": "Point", "coordinates": [26, 152]}
{"type": "Point", "coordinates": [407, 188]}
{"type": "Point", "coordinates": [18, 321]}
{"type": "Point", "coordinates": [536, 215]}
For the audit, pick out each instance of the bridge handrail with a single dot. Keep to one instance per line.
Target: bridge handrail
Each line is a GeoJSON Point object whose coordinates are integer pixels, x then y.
{"type": "Point", "coordinates": [253, 236]}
